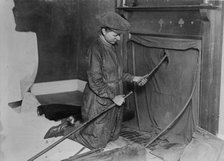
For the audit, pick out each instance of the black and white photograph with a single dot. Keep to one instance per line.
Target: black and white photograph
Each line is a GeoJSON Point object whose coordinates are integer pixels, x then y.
{"type": "Point", "coordinates": [111, 80]}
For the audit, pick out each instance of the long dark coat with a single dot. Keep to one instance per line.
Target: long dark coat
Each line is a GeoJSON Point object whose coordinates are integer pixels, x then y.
{"type": "Point", "coordinates": [105, 80]}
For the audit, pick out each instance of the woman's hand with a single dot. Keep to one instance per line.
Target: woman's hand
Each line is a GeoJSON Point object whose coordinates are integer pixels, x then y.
{"type": "Point", "coordinates": [119, 100]}
{"type": "Point", "coordinates": [141, 81]}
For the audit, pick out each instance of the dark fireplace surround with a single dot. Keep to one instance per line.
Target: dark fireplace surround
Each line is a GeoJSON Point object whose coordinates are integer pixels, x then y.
{"type": "Point", "coordinates": [201, 24]}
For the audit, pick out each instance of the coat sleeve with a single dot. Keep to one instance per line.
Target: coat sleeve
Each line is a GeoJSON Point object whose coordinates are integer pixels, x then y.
{"type": "Point", "coordinates": [127, 77]}
{"type": "Point", "coordinates": [95, 76]}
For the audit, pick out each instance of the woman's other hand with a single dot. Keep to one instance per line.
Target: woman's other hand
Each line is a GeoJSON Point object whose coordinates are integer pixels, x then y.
{"type": "Point", "coordinates": [141, 81]}
{"type": "Point", "coordinates": [119, 100]}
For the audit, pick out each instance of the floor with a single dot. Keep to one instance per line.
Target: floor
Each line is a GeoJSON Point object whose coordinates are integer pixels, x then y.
{"type": "Point", "coordinates": [23, 132]}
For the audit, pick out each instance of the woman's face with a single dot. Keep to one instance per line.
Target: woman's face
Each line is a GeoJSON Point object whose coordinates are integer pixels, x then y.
{"type": "Point", "coordinates": [111, 36]}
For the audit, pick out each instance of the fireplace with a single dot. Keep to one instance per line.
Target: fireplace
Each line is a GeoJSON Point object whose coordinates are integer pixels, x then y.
{"type": "Point", "coordinates": [189, 77]}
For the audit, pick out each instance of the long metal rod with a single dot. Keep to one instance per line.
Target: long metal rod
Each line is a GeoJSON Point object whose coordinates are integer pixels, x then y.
{"type": "Point", "coordinates": [135, 94]}
{"type": "Point", "coordinates": [177, 117]}
{"type": "Point", "coordinates": [84, 154]}
{"type": "Point", "coordinates": [145, 76]}
{"type": "Point", "coordinates": [80, 151]}
{"type": "Point", "coordinates": [156, 67]}
{"type": "Point", "coordinates": [74, 131]}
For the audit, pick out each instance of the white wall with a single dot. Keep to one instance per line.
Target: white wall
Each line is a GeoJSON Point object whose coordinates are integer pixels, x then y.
{"type": "Point", "coordinates": [221, 110]}
{"type": "Point", "coordinates": [19, 50]}
{"type": "Point", "coordinates": [3, 79]}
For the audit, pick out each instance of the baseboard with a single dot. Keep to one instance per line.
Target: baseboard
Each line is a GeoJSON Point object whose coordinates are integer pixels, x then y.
{"type": "Point", "coordinates": [58, 87]}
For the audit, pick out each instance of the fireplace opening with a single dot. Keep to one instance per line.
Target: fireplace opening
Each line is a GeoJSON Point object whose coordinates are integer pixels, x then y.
{"type": "Point", "coordinates": [172, 89]}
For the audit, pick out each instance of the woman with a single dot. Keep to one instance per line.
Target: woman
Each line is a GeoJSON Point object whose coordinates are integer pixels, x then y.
{"type": "Point", "coordinates": [105, 83]}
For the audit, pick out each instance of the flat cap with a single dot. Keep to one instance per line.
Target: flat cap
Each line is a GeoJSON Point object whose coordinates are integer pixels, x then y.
{"type": "Point", "coordinates": [114, 21]}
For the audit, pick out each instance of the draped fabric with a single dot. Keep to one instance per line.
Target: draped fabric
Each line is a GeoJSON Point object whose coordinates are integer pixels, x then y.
{"type": "Point", "coordinates": [167, 43]}
{"type": "Point", "coordinates": [168, 89]}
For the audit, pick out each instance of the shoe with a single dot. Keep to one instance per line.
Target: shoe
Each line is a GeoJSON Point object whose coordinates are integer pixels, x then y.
{"type": "Point", "coordinates": [56, 131]}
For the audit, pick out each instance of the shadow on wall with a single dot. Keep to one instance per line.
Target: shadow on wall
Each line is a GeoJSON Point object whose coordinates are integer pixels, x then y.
{"type": "Point", "coordinates": [64, 30]}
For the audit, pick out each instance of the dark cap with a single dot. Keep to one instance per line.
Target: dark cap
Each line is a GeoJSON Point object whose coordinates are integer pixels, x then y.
{"type": "Point", "coordinates": [114, 21]}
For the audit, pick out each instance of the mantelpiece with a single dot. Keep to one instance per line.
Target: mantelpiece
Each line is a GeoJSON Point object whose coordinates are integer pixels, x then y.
{"type": "Point", "coordinates": [168, 8]}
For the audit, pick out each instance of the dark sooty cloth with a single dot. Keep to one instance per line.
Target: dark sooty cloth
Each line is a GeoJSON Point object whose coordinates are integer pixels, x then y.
{"type": "Point", "coordinates": [59, 111]}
